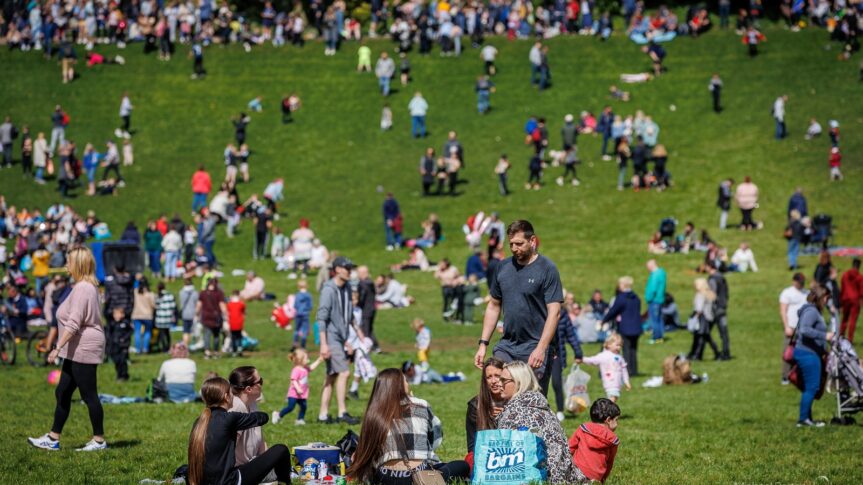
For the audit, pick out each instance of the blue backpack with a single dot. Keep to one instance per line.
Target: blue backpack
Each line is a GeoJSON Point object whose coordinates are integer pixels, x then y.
{"type": "Point", "coordinates": [508, 457]}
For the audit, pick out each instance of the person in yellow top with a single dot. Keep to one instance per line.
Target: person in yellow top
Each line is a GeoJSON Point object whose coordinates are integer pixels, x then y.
{"type": "Point", "coordinates": [40, 267]}
{"type": "Point", "coordinates": [443, 6]}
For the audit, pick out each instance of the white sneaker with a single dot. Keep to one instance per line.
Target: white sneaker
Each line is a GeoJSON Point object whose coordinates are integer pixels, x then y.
{"type": "Point", "coordinates": [575, 183]}
{"type": "Point", "coordinates": [45, 442]}
{"type": "Point", "coordinates": [276, 417]}
{"type": "Point", "coordinates": [560, 416]}
{"type": "Point", "coordinates": [300, 422]}
{"type": "Point", "coordinates": [390, 247]}
{"type": "Point", "coordinates": [94, 445]}
{"type": "Point", "coordinates": [560, 181]}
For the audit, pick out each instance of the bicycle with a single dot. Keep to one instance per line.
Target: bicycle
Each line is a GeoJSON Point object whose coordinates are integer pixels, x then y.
{"type": "Point", "coordinates": [8, 346]}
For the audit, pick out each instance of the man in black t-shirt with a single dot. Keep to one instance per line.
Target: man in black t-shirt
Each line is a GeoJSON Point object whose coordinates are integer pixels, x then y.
{"type": "Point", "coordinates": [527, 288]}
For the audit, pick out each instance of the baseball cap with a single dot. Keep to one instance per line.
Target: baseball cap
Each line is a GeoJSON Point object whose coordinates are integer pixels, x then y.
{"type": "Point", "coordinates": [568, 118]}
{"type": "Point", "coordinates": [343, 262]}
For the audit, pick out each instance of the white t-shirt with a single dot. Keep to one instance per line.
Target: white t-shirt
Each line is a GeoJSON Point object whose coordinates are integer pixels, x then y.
{"type": "Point", "coordinates": [489, 53]}
{"type": "Point", "coordinates": [795, 299]}
{"type": "Point", "coordinates": [178, 371]}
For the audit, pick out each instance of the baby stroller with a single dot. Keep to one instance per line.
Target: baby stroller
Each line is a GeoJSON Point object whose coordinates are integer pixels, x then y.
{"type": "Point", "coordinates": [822, 229]}
{"type": "Point", "coordinates": [845, 379]}
{"type": "Point", "coordinates": [667, 227]}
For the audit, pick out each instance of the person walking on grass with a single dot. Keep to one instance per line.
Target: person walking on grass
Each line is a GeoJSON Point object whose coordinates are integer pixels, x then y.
{"type": "Point", "coordinates": [8, 133]}
{"type": "Point", "coordinates": [334, 315]}
{"type": "Point", "coordinates": [715, 88]}
{"type": "Point", "coordinates": [201, 186]}
{"type": "Point", "coordinates": [790, 301]}
{"type": "Point", "coordinates": [385, 68]}
{"type": "Point", "coordinates": [126, 116]}
{"type": "Point", "coordinates": [719, 286]}
{"type": "Point", "coordinates": [82, 348]}
{"type": "Point", "coordinates": [850, 299]}
{"type": "Point", "coordinates": [418, 107]}
{"type": "Point", "coordinates": [654, 295]}
{"type": "Point", "coordinates": [779, 116]}
{"type": "Point", "coordinates": [528, 290]}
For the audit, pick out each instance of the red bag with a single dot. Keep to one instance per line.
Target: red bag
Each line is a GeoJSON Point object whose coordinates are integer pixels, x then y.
{"type": "Point", "coordinates": [66, 119]}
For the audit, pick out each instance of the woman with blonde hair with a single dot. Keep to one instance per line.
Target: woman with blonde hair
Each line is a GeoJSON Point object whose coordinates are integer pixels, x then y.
{"type": "Point", "coordinates": [82, 348]}
{"type": "Point", "coordinates": [212, 444]}
{"type": "Point", "coordinates": [527, 406]}
{"type": "Point", "coordinates": [702, 312]}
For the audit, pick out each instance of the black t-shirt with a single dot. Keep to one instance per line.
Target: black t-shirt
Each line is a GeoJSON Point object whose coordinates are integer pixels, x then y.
{"type": "Point", "coordinates": [261, 223]}
{"type": "Point", "coordinates": [524, 292]}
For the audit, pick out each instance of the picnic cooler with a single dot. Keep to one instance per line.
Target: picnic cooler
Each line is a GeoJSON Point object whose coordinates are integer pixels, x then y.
{"type": "Point", "coordinates": [314, 453]}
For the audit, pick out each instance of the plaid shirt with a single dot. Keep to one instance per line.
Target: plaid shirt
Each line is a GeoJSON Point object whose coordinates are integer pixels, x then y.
{"type": "Point", "coordinates": [166, 310]}
{"type": "Point", "coordinates": [420, 431]}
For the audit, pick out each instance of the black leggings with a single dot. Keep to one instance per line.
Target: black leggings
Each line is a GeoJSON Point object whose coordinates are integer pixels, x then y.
{"type": "Point", "coordinates": [277, 458]}
{"type": "Point", "coordinates": [747, 218]}
{"type": "Point", "coordinates": [630, 353]}
{"type": "Point", "coordinates": [81, 377]}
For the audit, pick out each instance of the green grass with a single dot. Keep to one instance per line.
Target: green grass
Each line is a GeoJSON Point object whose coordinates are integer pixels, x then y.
{"type": "Point", "coordinates": [739, 427]}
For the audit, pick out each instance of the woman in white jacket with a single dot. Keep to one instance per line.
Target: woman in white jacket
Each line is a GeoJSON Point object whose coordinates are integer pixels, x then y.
{"type": "Point", "coordinates": [40, 156]}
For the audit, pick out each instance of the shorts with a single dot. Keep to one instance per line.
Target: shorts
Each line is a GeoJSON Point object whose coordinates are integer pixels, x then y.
{"type": "Point", "coordinates": [423, 355]}
{"type": "Point", "coordinates": [187, 326]}
{"type": "Point", "coordinates": [231, 171]}
{"type": "Point", "coordinates": [613, 393]}
{"type": "Point", "coordinates": [244, 168]}
{"type": "Point", "coordinates": [338, 361]}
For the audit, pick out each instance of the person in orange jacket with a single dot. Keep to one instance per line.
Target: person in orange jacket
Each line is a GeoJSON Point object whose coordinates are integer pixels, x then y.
{"type": "Point", "coordinates": [594, 445]}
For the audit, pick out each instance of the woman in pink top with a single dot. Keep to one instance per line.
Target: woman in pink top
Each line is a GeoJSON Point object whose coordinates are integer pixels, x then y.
{"type": "Point", "coordinates": [82, 347]}
{"type": "Point", "coordinates": [747, 199]}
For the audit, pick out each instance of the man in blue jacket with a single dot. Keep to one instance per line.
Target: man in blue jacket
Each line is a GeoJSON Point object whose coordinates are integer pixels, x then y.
{"type": "Point", "coordinates": [627, 306]}
{"type": "Point", "coordinates": [654, 295]}
{"type": "Point", "coordinates": [603, 126]}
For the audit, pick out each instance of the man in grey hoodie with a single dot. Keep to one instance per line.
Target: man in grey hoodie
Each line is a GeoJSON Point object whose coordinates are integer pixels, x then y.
{"type": "Point", "coordinates": [335, 311]}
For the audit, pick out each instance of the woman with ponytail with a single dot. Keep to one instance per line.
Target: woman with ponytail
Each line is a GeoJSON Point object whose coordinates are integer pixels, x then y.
{"type": "Point", "coordinates": [213, 440]}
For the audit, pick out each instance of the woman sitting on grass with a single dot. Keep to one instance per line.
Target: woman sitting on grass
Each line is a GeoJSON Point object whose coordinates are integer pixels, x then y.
{"type": "Point", "coordinates": [399, 435]}
{"type": "Point", "coordinates": [213, 442]}
{"type": "Point", "coordinates": [484, 408]}
{"type": "Point", "coordinates": [526, 406]}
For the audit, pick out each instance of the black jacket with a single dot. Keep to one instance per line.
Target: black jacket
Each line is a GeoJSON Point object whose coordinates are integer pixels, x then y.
{"type": "Point", "coordinates": [719, 286]}
{"type": "Point", "coordinates": [118, 294]}
{"type": "Point", "coordinates": [366, 300]}
{"type": "Point", "coordinates": [628, 306]}
{"type": "Point", "coordinates": [220, 447]}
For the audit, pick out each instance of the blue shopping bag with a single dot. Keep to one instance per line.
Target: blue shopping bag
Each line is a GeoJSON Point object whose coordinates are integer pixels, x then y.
{"type": "Point", "coordinates": [508, 457]}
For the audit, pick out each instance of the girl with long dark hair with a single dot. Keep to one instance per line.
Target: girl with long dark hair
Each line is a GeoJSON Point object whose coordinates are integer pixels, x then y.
{"type": "Point", "coordinates": [399, 435]}
{"type": "Point", "coordinates": [487, 405]}
{"type": "Point", "coordinates": [213, 441]}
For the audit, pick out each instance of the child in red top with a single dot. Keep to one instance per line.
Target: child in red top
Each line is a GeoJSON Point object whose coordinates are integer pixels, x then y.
{"type": "Point", "coordinates": [236, 320]}
{"type": "Point", "coordinates": [594, 445]}
{"type": "Point", "coordinates": [835, 163]}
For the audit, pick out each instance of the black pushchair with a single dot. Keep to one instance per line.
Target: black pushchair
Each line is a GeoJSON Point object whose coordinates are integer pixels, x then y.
{"type": "Point", "coordinates": [845, 379]}
{"type": "Point", "coordinates": [822, 229]}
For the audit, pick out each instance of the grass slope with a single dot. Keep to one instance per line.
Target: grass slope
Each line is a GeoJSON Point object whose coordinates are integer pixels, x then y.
{"type": "Point", "coordinates": [736, 428]}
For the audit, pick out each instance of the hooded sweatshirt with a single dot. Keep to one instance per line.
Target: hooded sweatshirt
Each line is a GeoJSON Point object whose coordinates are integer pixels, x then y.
{"type": "Point", "coordinates": [593, 447]}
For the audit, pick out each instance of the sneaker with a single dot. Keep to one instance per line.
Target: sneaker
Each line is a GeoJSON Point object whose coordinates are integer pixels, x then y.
{"type": "Point", "coordinates": [300, 422]}
{"type": "Point", "coordinates": [354, 395]}
{"type": "Point", "coordinates": [45, 442]}
{"type": "Point", "coordinates": [94, 445]}
{"type": "Point", "coordinates": [327, 420]}
{"type": "Point", "coordinates": [560, 416]}
{"type": "Point", "coordinates": [784, 382]}
{"type": "Point", "coordinates": [808, 423]}
{"type": "Point", "coordinates": [348, 419]}
{"type": "Point", "coordinates": [390, 247]}
{"type": "Point", "coordinates": [606, 158]}
{"type": "Point", "coordinates": [276, 417]}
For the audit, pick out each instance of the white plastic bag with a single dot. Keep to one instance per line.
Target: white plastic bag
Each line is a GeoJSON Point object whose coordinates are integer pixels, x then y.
{"type": "Point", "coordinates": [577, 399]}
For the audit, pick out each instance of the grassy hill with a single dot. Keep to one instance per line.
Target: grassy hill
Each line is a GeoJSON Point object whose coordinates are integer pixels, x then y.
{"type": "Point", "coordinates": [739, 427]}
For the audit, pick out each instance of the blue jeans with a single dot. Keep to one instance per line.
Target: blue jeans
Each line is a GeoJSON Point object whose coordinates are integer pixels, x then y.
{"type": "Point", "coordinates": [605, 138]}
{"type": "Point", "coordinates": [155, 264]}
{"type": "Point", "coordinates": [654, 316]}
{"type": "Point", "coordinates": [793, 251]}
{"type": "Point", "coordinates": [40, 171]}
{"type": "Point", "coordinates": [780, 130]}
{"type": "Point", "coordinates": [199, 200]}
{"type": "Point", "coordinates": [143, 346]}
{"type": "Point", "coordinates": [181, 393]}
{"type": "Point", "coordinates": [384, 83]}
{"type": "Point", "coordinates": [418, 126]}
{"type": "Point", "coordinates": [301, 330]}
{"type": "Point", "coordinates": [171, 259]}
{"type": "Point", "coordinates": [809, 365]}
{"type": "Point", "coordinates": [208, 250]}
{"type": "Point", "coordinates": [393, 238]}
{"type": "Point", "coordinates": [482, 101]}
{"type": "Point", "coordinates": [292, 402]}
{"type": "Point", "coordinates": [534, 73]}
